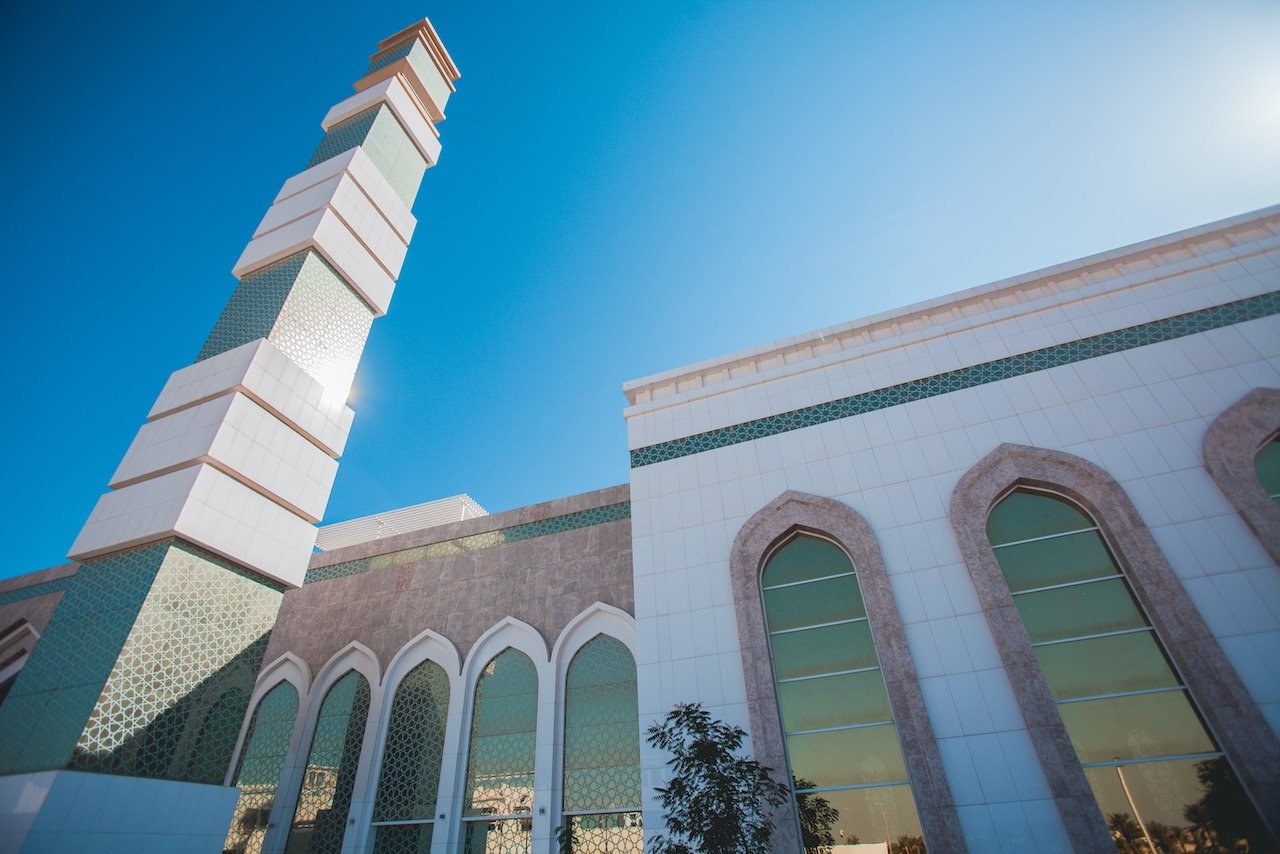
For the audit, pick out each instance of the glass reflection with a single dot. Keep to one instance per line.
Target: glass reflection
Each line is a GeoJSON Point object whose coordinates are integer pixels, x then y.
{"type": "Point", "coordinates": [1267, 465]}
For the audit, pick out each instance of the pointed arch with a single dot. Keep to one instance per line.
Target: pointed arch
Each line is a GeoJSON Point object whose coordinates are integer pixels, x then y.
{"type": "Point", "coordinates": [598, 619]}
{"type": "Point", "coordinates": [793, 513]}
{"type": "Point", "coordinates": [1232, 715]}
{"type": "Point", "coordinates": [287, 668]}
{"type": "Point", "coordinates": [1231, 445]}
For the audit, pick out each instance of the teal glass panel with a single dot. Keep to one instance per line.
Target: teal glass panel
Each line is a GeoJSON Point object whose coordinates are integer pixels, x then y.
{"type": "Point", "coordinates": [503, 733]}
{"type": "Point", "coordinates": [507, 836]}
{"type": "Point", "coordinates": [402, 838]}
{"type": "Point", "coordinates": [607, 833]}
{"type": "Point", "coordinates": [320, 818]}
{"type": "Point", "coordinates": [1132, 662]}
{"type": "Point", "coordinates": [1058, 560]}
{"type": "Point", "coordinates": [830, 701]}
{"type": "Point", "coordinates": [1267, 465]}
{"type": "Point", "coordinates": [410, 778]}
{"type": "Point", "coordinates": [266, 744]}
{"type": "Point", "coordinates": [826, 649]}
{"type": "Point", "coordinates": [1084, 609]}
{"type": "Point", "coordinates": [804, 559]}
{"type": "Point", "coordinates": [862, 816]}
{"type": "Point", "coordinates": [848, 756]}
{"type": "Point", "coordinates": [1134, 727]}
{"type": "Point", "coordinates": [344, 136]}
{"type": "Point", "coordinates": [1024, 515]}
{"type": "Point", "coordinates": [812, 604]}
{"type": "Point", "coordinates": [601, 729]}
{"type": "Point", "coordinates": [1185, 804]}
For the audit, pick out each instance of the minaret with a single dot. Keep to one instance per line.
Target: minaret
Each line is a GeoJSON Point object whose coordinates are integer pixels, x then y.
{"type": "Point", "coordinates": [146, 668]}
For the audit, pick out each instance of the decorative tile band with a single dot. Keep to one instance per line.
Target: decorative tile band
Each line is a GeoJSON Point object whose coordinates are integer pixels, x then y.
{"type": "Point", "coordinates": [474, 542]}
{"type": "Point", "coordinates": [1204, 320]}
{"type": "Point", "coordinates": [58, 584]}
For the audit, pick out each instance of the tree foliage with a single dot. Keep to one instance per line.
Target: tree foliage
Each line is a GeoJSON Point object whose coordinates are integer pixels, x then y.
{"type": "Point", "coordinates": [716, 802]}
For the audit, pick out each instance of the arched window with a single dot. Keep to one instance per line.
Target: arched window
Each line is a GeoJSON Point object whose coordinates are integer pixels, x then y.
{"type": "Point", "coordinates": [1267, 465]}
{"type": "Point", "coordinates": [841, 741]}
{"type": "Point", "coordinates": [266, 744]}
{"type": "Point", "coordinates": [498, 802]}
{"type": "Point", "coordinates": [1157, 773]}
{"type": "Point", "coordinates": [602, 749]}
{"type": "Point", "coordinates": [408, 789]}
{"type": "Point", "coordinates": [320, 818]}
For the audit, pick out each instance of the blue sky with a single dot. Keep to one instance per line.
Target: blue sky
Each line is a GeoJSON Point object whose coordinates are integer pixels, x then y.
{"type": "Point", "coordinates": [624, 188]}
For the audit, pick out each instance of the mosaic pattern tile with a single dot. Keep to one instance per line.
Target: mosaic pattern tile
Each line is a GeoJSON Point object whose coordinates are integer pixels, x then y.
{"type": "Point", "coordinates": [1252, 308]}
{"type": "Point", "coordinates": [176, 695]}
{"type": "Point", "coordinates": [35, 590]}
{"type": "Point", "coordinates": [395, 155]}
{"type": "Point", "coordinates": [320, 819]}
{"type": "Point", "coordinates": [386, 59]}
{"type": "Point", "coordinates": [607, 833]}
{"type": "Point", "coordinates": [261, 761]}
{"type": "Point", "coordinates": [601, 729]}
{"type": "Point", "coordinates": [410, 780]}
{"type": "Point", "coordinates": [344, 136]}
{"type": "Point", "coordinates": [475, 542]}
{"type": "Point", "coordinates": [402, 838]}
{"type": "Point", "coordinates": [301, 305]}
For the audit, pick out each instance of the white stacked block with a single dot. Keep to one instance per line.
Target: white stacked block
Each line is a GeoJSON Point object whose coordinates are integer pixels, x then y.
{"type": "Point", "coordinates": [356, 163]}
{"type": "Point", "coordinates": [403, 103]}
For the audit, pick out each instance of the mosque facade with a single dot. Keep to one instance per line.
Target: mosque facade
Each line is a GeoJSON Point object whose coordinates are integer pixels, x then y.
{"type": "Point", "coordinates": [999, 571]}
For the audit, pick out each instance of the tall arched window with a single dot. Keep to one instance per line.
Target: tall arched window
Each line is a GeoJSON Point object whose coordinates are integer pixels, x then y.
{"type": "Point", "coordinates": [320, 819]}
{"type": "Point", "coordinates": [1267, 465]}
{"type": "Point", "coordinates": [408, 789]}
{"type": "Point", "coordinates": [266, 744]}
{"type": "Point", "coordinates": [602, 749]}
{"type": "Point", "coordinates": [498, 802]}
{"type": "Point", "coordinates": [1159, 777]}
{"type": "Point", "coordinates": [841, 740]}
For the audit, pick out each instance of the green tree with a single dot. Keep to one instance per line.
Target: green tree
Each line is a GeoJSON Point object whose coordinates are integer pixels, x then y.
{"type": "Point", "coordinates": [716, 802]}
{"type": "Point", "coordinates": [816, 818]}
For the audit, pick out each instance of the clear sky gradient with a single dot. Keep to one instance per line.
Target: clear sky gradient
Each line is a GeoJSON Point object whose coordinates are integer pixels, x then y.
{"type": "Point", "coordinates": [624, 188]}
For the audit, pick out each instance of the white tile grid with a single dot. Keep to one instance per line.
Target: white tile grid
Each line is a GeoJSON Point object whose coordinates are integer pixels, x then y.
{"type": "Point", "coordinates": [393, 93]}
{"type": "Point", "coordinates": [818, 380]}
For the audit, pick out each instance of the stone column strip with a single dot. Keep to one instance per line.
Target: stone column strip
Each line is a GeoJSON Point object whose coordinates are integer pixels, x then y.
{"type": "Point", "coordinates": [1230, 446]}
{"type": "Point", "coordinates": [796, 512]}
{"type": "Point", "coordinates": [1229, 711]}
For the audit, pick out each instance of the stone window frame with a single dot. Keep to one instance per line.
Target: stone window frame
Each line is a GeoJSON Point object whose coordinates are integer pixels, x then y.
{"type": "Point", "coordinates": [1229, 711]}
{"type": "Point", "coordinates": [1231, 445]}
{"type": "Point", "coordinates": [793, 513]}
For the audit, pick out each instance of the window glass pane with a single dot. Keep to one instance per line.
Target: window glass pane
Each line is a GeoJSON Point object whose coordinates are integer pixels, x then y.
{"type": "Point", "coordinates": [1086, 609]}
{"type": "Point", "coordinates": [320, 819]}
{"type": "Point", "coordinates": [1181, 802]}
{"type": "Point", "coordinates": [803, 558]}
{"type": "Point", "coordinates": [608, 833]}
{"type": "Point", "coordinates": [1109, 665]}
{"type": "Point", "coordinates": [863, 816]}
{"type": "Point", "coordinates": [811, 604]}
{"type": "Point", "coordinates": [828, 701]}
{"type": "Point", "coordinates": [1042, 563]}
{"type": "Point", "coordinates": [1023, 515]}
{"type": "Point", "coordinates": [1267, 464]}
{"type": "Point", "coordinates": [1135, 727]}
{"type": "Point", "coordinates": [415, 742]}
{"type": "Point", "coordinates": [266, 746]}
{"type": "Point", "coordinates": [823, 650]}
{"type": "Point", "coordinates": [848, 756]}
{"type": "Point", "coordinates": [402, 839]}
{"type": "Point", "coordinates": [602, 729]}
{"type": "Point", "coordinates": [503, 732]}
{"type": "Point", "coordinates": [512, 836]}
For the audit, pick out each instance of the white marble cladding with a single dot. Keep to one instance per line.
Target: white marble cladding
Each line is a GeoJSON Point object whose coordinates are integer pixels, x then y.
{"type": "Point", "coordinates": [204, 506]}
{"type": "Point", "coordinates": [1141, 415]}
{"type": "Point", "coordinates": [236, 435]}
{"type": "Point", "coordinates": [356, 164]}
{"type": "Point", "coordinates": [407, 107]}
{"type": "Point", "coordinates": [258, 369]}
{"type": "Point", "coordinates": [1189, 270]}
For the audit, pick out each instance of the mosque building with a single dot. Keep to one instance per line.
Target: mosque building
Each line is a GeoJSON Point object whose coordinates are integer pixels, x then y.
{"type": "Point", "coordinates": [999, 571]}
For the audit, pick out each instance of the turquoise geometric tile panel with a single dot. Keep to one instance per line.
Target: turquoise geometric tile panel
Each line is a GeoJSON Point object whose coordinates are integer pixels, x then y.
{"type": "Point", "coordinates": [525, 531]}
{"type": "Point", "coordinates": [1251, 308]}
{"type": "Point", "coordinates": [57, 690]}
{"type": "Point", "coordinates": [320, 818]}
{"type": "Point", "coordinates": [266, 744]}
{"type": "Point", "coordinates": [344, 136]}
{"type": "Point", "coordinates": [254, 306]}
{"type": "Point", "coordinates": [395, 155]}
{"type": "Point", "coordinates": [21, 593]}
{"type": "Point", "coordinates": [410, 778]}
{"type": "Point", "coordinates": [386, 59]}
{"type": "Point", "coordinates": [177, 693]}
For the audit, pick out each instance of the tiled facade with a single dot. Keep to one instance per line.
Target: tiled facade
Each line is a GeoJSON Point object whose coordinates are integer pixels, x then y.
{"type": "Point", "coordinates": [480, 684]}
